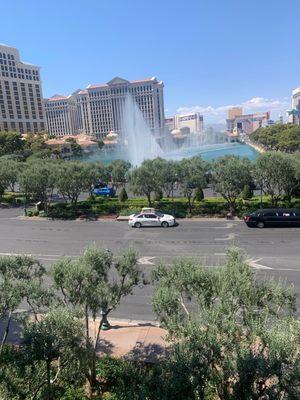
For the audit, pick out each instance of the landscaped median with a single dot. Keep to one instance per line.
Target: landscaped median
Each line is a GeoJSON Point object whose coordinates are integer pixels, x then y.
{"type": "Point", "coordinates": [112, 207]}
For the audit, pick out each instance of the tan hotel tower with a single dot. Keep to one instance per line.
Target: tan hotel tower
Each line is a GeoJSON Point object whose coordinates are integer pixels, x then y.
{"type": "Point", "coordinates": [21, 99]}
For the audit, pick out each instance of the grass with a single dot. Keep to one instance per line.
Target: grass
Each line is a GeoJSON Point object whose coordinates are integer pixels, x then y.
{"type": "Point", "coordinates": [100, 207]}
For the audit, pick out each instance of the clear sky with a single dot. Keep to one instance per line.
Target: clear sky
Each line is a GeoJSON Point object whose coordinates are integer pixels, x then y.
{"type": "Point", "coordinates": [209, 53]}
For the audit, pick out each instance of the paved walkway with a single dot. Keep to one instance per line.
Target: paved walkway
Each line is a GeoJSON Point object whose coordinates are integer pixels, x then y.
{"type": "Point", "coordinates": [137, 340]}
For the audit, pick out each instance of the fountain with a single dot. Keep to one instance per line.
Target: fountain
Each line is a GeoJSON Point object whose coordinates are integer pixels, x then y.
{"type": "Point", "coordinates": [139, 140]}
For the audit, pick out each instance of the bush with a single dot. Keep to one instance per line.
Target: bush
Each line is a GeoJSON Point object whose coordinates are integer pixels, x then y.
{"type": "Point", "coordinates": [247, 192]}
{"type": "Point", "coordinates": [30, 213]}
{"type": "Point", "coordinates": [199, 195]}
{"type": "Point", "coordinates": [158, 195]}
{"type": "Point", "coordinates": [123, 195]}
{"type": "Point", "coordinates": [36, 213]}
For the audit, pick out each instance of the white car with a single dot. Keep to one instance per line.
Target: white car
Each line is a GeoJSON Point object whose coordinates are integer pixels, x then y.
{"type": "Point", "coordinates": [151, 219]}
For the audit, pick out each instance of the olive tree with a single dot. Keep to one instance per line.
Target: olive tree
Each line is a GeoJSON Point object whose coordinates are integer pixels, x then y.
{"type": "Point", "coordinates": [51, 343]}
{"type": "Point", "coordinates": [76, 177]}
{"type": "Point", "coordinates": [117, 171]}
{"type": "Point", "coordinates": [39, 179]}
{"type": "Point", "coordinates": [229, 176]}
{"type": "Point", "coordinates": [95, 283]}
{"type": "Point", "coordinates": [21, 279]}
{"type": "Point", "coordinates": [167, 172]}
{"type": "Point", "coordinates": [144, 180]}
{"type": "Point", "coordinates": [192, 176]}
{"type": "Point", "coordinates": [227, 332]}
{"type": "Point", "coordinates": [9, 171]}
{"type": "Point", "coordinates": [276, 174]}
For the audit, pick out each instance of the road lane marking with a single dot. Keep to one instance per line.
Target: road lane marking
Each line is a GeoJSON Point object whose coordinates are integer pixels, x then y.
{"type": "Point", "coordinates": [227, 226]}
{"type": "Point", "coordinates": [231, 236]}
{"type": "Point", "coordinates": [254, 263]}
{"type": "Point", "coordinates": [46, 257]}
{"type": "Point", "coordinates": [146, 260]}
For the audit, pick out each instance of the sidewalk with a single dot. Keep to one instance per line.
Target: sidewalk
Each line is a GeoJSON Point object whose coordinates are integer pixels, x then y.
{"type": "Point", "coordinates": [138, 340]}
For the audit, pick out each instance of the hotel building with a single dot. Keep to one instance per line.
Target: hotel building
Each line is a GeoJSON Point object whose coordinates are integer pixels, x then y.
{"type": "Point", "coordinates": [245, 124]}
{"type": "Point", "coordinates": [21, 99]}
{"type": "Point", "coordinates": [192, 122]}
{"type": "Point", "coordinates": [62, 115]}
{"type": "Point", "coordinates": [294, 113]}
{"type": "Point", "coordinates": [101, 107]}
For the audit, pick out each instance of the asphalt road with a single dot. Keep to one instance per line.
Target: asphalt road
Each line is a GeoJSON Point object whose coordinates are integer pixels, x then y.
{"type": "Point", "coordinates": [272, 252]}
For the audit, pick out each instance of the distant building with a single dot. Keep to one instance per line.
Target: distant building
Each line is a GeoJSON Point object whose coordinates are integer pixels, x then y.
{"type": "Point", "coordinates": [62, 115]}
{"type": "Point", "coordinates": [234, 112]}
{"type": "Point", "coordinates": [170, 123]}
{"type": "Point", "coordinates": [191, 121]}
{"type": "Point", "coordinates": [294, 113]}
{"type": "Point", "coordinates": [101, 107]}
{"type": "Point", "coordinates": [245, 124]}
{"type": "Point", "coordinates": [21, 99]}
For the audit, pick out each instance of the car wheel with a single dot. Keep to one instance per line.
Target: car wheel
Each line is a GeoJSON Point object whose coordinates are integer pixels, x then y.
{"type": "Point", "coordinates": [260, 224]}
{"type": "Point", "coordinates": [137, 225]}
{"type": "Point", "coordinates": [164, 224]}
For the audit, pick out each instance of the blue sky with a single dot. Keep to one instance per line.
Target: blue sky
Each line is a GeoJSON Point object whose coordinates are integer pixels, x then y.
{"type": "Point", "coordinates": [209, 53]}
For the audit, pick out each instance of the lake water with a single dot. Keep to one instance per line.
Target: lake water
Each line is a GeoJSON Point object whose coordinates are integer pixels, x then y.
{"type": "Point", "coordinates": [209, 152]}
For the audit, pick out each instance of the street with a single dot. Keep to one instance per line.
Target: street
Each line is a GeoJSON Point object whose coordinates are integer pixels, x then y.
{"type": "Point", "coordinates": [272, 252]}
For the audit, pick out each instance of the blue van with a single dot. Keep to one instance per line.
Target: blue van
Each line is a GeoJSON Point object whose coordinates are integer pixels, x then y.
{"type": "Point", "coordinates": [104, 191]}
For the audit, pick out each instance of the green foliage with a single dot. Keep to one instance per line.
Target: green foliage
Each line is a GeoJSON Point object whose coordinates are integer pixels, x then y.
{"type": "Point", "coordinates": [117, 172]}
{"type": "Point", "coordinates": [75, 147]}
{"type": "Point", "coordinates": [229, 176]}
{"type": "Point", "coordinates": [199, 195]}
{"type": "Point", "coordinates": [143, 180]}
{"type": "Point", "coordinates": [228, 331]}
{"type": "Point", "coordinates": [21, 280]}
{"type": "Point", "coordinates": [35, 142]}
{"type": "Point", "coordinates": [158, 195]}
{"type": "Point", "coordinates": [76, 177]}
{"type": "Point", "coordinates": [123, 195]}
{"type": "Point", "coordinates": [191, 176]}
{"type": "Point", "coordinates": [94, 285]}
{"type": "Point", "coordinates": [276, 173]}
{"type": "Point", "coordinates": [283, 137]}
{"type": "Point", "coordinates": [39, 180]}
{"type": "Point", "coordinates": [9, 171]}
{"type": "Point", "coordinates": [10, 143]}
{"type": "Point", "coordinates": [247, 192]}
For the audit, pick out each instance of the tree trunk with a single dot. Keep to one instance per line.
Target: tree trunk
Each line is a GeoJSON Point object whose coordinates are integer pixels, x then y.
{"type": "Point", "coordinates": [149, 199]}
{"type": "Point", "coordinates": [87, 332]}
{"type": "Point", "coordinates": [94, 385]}
{"type": "Point", "coordinates": [6, 332]}
{"type": "Point", "coordinates": [49, 388]}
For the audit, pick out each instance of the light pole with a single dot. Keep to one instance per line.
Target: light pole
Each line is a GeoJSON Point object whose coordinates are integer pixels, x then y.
{"type": "Point", "coordinates": [25, 209]}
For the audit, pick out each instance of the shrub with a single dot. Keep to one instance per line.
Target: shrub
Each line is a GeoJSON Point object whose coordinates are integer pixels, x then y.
{"type": "Point", "coordinates": [29, 213]}
{"type": "Point", "coordinates": [123, 195]}
{"type": "Point", "coordinates": [247, 192]}
{"type": "Point", "coordinates": [199, 195]}
{"type": "Point", "coordinates": [36, 213]}
{"type": "Point", "coordinates": [158, 195]}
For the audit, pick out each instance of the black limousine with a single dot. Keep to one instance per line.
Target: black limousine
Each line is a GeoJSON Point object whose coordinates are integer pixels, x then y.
{"type": "Point", "coordinates": [273, 217]}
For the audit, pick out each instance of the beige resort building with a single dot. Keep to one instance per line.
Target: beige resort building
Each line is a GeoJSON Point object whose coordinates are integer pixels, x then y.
{"type": "Point", "coordinates": [21, 98]}
{"type": "Point", "coordinates": [62, 115]}
{"type": "Point", "coordinates": [100, 108]}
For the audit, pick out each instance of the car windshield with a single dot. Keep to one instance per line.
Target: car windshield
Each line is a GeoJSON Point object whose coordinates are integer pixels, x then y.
{"type": "Point", "coordinates": [159, 214]}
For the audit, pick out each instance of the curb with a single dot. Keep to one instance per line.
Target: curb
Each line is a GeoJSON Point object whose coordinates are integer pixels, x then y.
{"type": "Point", "coordinates": [125, 218]}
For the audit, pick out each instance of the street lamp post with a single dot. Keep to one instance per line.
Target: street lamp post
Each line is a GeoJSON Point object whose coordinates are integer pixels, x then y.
{"type": "Point", "coordinates": [25, 209]}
